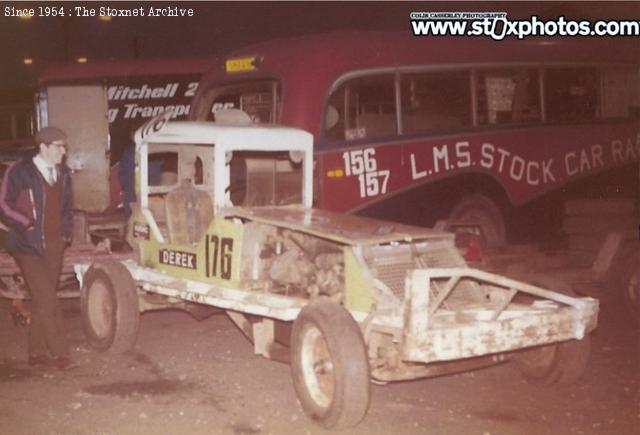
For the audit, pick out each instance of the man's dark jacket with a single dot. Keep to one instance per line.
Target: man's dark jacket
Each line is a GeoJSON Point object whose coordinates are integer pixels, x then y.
{"type": "Point", "coordinates": [22, 201]}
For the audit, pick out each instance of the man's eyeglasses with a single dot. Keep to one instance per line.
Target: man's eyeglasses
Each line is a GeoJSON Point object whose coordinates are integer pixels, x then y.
{"type": "Point", "coordinates": [59, 145]}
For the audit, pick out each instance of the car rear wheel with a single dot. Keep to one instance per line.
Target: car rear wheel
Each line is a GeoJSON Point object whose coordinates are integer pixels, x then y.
{"type": "Point", "coordinates": [329, 365]}
{"type": "Point", "coordinates": [109, 307]}
{"type": "Point", "coordinates": [562, 363]}
{"type": "Point", "coordinates": [559, 363]}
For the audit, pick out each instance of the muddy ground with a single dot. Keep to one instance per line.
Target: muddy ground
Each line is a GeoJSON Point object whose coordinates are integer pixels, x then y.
{"type": "Point", "coordinates": [190, 377]}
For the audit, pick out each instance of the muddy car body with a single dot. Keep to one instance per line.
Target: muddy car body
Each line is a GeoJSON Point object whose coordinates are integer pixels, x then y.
{"type": "Point", "coordinates": [232, 227]}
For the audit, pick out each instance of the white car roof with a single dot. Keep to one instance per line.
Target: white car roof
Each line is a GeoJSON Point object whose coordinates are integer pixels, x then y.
{"type": "Point", "coordinates": [254, 136]}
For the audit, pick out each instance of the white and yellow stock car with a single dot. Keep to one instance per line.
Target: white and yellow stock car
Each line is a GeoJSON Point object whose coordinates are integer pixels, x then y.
{"type": "Point", "coordinates": [224, 220]}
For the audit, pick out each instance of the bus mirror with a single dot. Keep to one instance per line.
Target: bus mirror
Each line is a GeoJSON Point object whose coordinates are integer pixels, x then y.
{"type": "Point", "coordinates": [331, 118]}
{"type": "Point", "coordinates": [296, 156]}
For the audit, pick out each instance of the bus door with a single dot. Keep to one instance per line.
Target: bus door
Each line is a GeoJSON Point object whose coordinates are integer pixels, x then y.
{"type": "Point", "coordinates": [81, 112]}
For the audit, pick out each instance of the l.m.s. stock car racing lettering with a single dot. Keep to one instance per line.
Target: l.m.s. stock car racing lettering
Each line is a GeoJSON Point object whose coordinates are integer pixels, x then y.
{"type": "Point", "coordinates": [528, 164]}
{"type": "Point", "coordinates": [219, 255]}
{"type": "Point", "coordinates": [447, 158]}
{"type": "Point", "coordinates": [522, 169]}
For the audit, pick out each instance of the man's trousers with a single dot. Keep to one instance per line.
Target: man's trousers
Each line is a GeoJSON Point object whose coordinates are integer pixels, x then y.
{"type": "Point", "coordinates": [41, 274]}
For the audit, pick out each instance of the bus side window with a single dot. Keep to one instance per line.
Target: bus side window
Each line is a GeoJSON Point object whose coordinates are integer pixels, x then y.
{"type": "Point", "coordinates": [259, 99]}
{"type": "Point", "coordinates": [508, 96]}
{"type": "Point", "coordinates": [571, 94]}
{"type": "Point", "coordinates": [621, 93]}
{"type": "Point", "coordinates": [435, 101]}
{"type": "Point", "coordinates": [366, 109]}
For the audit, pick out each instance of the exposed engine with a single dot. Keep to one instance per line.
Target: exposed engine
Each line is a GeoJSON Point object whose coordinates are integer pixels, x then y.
{"type": "Point", "coordinates": [293, 263]}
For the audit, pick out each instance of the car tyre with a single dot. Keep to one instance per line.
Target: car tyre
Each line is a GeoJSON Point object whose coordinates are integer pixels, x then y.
{"type": "Point", "coordinates": [329, 365]}
{"type": "Point", "coordinates": [559, 363]}
{"type": "Point", "coordinates": [109, 307]}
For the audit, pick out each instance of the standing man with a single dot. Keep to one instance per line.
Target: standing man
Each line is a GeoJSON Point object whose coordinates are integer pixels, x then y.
{"type": "Point", "coordinates": [36, 200]}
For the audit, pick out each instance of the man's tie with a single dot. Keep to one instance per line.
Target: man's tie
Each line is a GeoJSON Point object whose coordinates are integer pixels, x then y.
{"type": "Point", "coordinates": [52, 176]}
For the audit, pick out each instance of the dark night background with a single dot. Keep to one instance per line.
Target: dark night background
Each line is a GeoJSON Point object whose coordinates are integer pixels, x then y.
{"type": "Point", "coordinates": [220, 26]}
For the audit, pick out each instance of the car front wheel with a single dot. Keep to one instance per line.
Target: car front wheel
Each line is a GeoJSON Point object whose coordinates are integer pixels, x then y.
{"type": "Point", "coordinates": [329, 364]}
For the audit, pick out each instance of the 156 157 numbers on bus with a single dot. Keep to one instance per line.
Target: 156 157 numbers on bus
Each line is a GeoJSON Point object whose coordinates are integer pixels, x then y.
{"type": "Point", "coordinates": [363, 164]}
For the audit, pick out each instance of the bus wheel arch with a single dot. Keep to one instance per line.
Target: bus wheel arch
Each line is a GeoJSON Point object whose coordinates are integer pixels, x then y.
{"type": "Point", "coordinates": [481, 210]}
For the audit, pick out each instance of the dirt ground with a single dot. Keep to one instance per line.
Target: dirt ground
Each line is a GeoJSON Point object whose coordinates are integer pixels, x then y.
{"type": "Point", "coordinates": [190, 377]}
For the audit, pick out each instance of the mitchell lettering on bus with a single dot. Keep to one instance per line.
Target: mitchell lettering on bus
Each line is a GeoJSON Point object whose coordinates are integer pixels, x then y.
{"type": "Point", "coordinates": [141, 93]}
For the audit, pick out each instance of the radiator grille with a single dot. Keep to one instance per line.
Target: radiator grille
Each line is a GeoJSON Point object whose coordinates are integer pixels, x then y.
{"type": "Point", "coordinates": [390, 264]}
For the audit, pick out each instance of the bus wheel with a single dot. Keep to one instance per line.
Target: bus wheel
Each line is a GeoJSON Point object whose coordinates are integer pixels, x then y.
{"type": "Point", "coordinates": [559, 363]}
{"type": "Point", "coordinates": [109, 307]}
{"type": "Point", "coordinates": [329, 365]}
{"type": "Point", "coordinates": [629, 284]}
{"type": "Point", "coordinates": [481, 211]}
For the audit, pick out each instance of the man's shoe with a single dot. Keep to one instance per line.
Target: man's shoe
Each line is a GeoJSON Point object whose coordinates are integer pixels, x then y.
{"type": "Point", "coordinates": [20, 313]}
{"type": "Point", "coordinates": [40, 360]}
{"type": "Point", "coordinates": [64, 363]}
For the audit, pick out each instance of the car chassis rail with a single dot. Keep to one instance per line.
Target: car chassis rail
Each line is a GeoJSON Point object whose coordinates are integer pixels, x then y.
{"type": "Point", "coordinates": [426, 330]}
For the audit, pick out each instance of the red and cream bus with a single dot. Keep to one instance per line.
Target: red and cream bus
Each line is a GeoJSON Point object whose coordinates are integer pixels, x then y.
{"type": "Point", "coordinates": [418, 129]}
